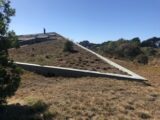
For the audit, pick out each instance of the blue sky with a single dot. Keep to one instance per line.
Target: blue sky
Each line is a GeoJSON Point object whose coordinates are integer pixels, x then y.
{"type": "Point", "coordinates": [93, 20]}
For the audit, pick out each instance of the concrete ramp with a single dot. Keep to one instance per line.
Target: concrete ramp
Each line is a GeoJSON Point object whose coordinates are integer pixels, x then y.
{"type": "Point", "coordinates": [70, 72]}
{"type": "Point", "coordinates": [113, 63]}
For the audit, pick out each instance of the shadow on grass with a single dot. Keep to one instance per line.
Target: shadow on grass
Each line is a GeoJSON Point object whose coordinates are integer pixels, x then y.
{"type": "Point", "coordinates": [38, 111]}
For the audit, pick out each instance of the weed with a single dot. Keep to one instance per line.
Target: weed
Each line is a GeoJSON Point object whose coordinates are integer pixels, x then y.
{"type": "Point", "coordinates": [144, 115]}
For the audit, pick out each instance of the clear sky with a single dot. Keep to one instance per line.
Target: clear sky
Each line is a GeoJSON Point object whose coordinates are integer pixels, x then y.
{"type": "Point", "coordinates": [93, 20]}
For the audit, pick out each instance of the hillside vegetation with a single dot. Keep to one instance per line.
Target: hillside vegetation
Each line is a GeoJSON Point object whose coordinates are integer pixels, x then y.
{"type": "Point", "coordinates": [134, 50]}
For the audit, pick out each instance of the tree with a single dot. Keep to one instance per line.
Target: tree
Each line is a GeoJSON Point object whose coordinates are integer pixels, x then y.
{"type": "Point", "coordinates": [129, 50]}
{"type": "Point", "coordinates": [85, 43]}
{"type": "Point", "coordinates": [9, 72]}
{"type": "Point", "coordinates": [136, 41]}
{"type": "Point", "coordinates": [152, 42]}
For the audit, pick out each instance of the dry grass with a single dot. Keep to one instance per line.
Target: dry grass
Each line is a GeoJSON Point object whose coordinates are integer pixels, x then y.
{"type": "Point", "coordinates": [90, 98]}
{"type": "Point", "coordinates": [51, 53]}
{"type": "Point", "coordinates": [150, 72]}
{"type": "Point", "coordinates": [94, 98]}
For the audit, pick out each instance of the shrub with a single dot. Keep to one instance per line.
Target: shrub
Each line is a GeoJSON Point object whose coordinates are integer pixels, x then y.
{"type": "Point", "coordinates": [144, 115]}
{"type": "Point", "coordinates": [136, 41]}
{"type": "Point", "coordinates": [85, 43]}
{"type": "Point", "coordinates": [129, 50]}
{"type": "Point", "coordinates": [48, 115]}
{"type": "Point", "coordinates": [68, 47]}
{"type": "Point", "coordinates": [122, 48]}
{"type": "Point", "coordinates": [152, 42]}
{"type": "Point", "coordinates": [142, 59]}
{"type": "Point", "coordinates": [149, 51]}
{"type": "Point", "coordinates": [38, 106]}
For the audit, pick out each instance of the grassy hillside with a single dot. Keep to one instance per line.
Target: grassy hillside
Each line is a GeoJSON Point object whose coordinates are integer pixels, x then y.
{"type": "Point", "coordinates": [86, 98]}
{"type": "Point", "coordinates": [95, 98]}
{"type": "Point", "coordinates": [51, 53]}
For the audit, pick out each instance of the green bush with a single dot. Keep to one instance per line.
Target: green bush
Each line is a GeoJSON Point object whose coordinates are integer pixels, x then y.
{"type": "Point", "coordinates": [38, 106]}
{"type": "Point", "coordinates": [149, 51]}
{"type": "Point", "coordinates": [136, 41]}
{"type": "Point", "coordinates": [129, 50]}
{"type": "Point", "coordinates": [68, 46]}
{"type": "Point", "coordinates": [122, 48]}
{"type": "Point", "coordinates": [142, 59]}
